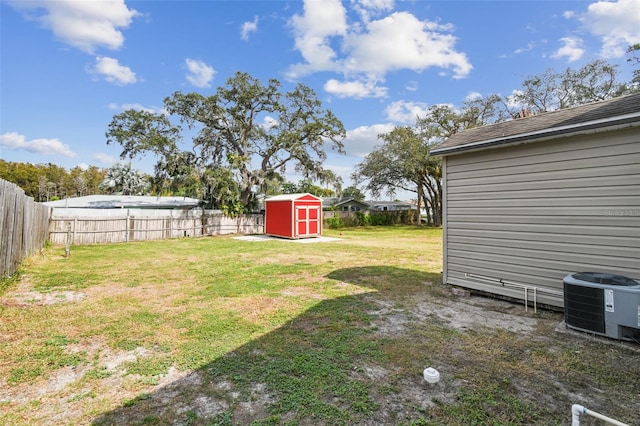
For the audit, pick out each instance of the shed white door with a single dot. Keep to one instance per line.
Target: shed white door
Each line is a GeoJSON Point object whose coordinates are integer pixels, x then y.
{"type": "Point", "coordinates": [307, 221]}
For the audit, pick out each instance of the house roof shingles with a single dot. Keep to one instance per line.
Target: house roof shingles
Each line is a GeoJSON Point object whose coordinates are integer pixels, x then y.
{"type": "Point", "coordinates": [624, 110]}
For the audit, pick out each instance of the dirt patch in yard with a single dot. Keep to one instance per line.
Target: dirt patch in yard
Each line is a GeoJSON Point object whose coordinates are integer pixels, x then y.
{"type": "Point", "coordinates": [469, 314]}
{"type": "Point", "coordinates": [60, 396]}
{"type": "Point", "coordinates": [24, 295]}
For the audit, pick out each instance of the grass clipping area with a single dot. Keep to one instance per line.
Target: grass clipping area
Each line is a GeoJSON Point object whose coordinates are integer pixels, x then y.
{"type": "Point", "coordinates": [218, 331]}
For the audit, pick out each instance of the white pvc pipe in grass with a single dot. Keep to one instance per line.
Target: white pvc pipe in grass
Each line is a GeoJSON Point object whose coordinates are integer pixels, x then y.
{"type": "Point", "coordinates": [577, 410]}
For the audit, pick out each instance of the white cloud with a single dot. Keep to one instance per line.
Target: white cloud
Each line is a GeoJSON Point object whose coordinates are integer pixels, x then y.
{"type": "Point", "coordinates": [13, 140]}
{"type": "Point", "coordinates": [112, 71]}
{"type": "Point", "coordinates": [83, 166]}
{"type": "Point", "coordinates": [366, 50]}
{"type": "Point", "coordinates": [138, 107]}
{"type": "Point", "coordinates": [572, 49]}
{"type": "Point", "coordinates": [411, 86]}
{"type": "Point", "coordinates": [472, 96]}
{"type": "Point", "coordinates": [105, 159]}
{"type": "Point", "coordinates": [406, 112]}
{"type": "Point", "coordinates": [368, 8]}
{"type": "Point", "coordinates": [568, 14]}
{"type": "Point", "coordinates": [269, 123]}
{"type": "Point", "coordinates": [362, 140]}
{"type": "Point", "coordinates": [616, 23]}
{"type": "Point", "coordinates": [355, 89]}
{"type": "Point", "coordinates": [402, 41]}
{"type": "Point", "coordinates": [510, 101]}
{"type": "Point", "coordinates": [248, 27]}
{"type": "Point", "coordinates": [199, 74]}
{"type": "Point", "coordinates": [313, 31]}
{"type": "Point", "coordinates": [85, 25]}
{"type": "Point", "coordinates": [530, 46]}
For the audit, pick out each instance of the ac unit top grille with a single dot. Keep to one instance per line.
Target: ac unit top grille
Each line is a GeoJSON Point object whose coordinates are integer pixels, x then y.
{"type": "Point", "coordinates": [603, 278]}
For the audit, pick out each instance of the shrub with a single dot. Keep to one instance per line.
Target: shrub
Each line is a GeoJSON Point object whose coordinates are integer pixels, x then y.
{"type": "Point", "coordinates": [335, 222]}
{"type": "Point", "coordinates": [387, 218]}
{"type": "Point", "coordinates": [363, 219]}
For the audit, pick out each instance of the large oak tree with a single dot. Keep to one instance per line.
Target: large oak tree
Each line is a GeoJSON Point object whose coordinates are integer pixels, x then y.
{"type": "Point", "coordinates": [551, 90]}
{"type": "Point", "coordinates": [251, 130]}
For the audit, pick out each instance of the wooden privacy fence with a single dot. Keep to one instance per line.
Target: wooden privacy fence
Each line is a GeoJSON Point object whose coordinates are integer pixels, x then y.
{"type": "Point", "coordinates": [24, 226]}
{"type": "Point", "coordinates": [128, 227]}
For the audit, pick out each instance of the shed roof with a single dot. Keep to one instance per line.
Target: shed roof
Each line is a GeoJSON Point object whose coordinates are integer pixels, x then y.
{"type": "Point", "coordinates": [125, 201]}
{"type": "Point", "coordinates": [292, 197]}
{"type": "Point", "coordinates": [623, 111]}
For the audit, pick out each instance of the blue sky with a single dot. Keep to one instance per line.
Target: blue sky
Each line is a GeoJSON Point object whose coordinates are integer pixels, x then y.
{"type": "Point", "coordinates": [68, 66]}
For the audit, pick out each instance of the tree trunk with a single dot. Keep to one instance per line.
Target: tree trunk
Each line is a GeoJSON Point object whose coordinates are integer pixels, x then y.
{"type": "Point", "coordinates": [245, 196]}
{"type": "Point", "coordinates": [428, 208]}
{"type": "Point", "coordinates": [434, 187]}
{"type": "Point", "coordinates": [439, 204]}
{"type": "Point", "coordinates": [431, 209]}
{"type": "Point", "coordinates": [419, 219]}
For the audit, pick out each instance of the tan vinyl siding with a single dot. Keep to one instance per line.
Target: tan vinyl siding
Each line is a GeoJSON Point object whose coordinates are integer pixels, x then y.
{"type": "Point", "coordinates": [534, 213]}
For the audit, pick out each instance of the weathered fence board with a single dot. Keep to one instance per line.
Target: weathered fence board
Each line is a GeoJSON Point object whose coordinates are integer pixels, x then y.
{"type": "Point", "coordinates": [142, 227]}
{"type": "Point", "coordinates": [24, 227]}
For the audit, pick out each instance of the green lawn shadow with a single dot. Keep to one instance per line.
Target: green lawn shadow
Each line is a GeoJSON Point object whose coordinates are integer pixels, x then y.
{"type": "Point", "coordinates": [308, 371]}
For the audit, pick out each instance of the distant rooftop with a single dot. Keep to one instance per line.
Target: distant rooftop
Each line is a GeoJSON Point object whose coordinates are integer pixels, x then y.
{"type": "Point", "coordinates": [124, 202]}
{"type": "Point", "coordinates": [387, 203]}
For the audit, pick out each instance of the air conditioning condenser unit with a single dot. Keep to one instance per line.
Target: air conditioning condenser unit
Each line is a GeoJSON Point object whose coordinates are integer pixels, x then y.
{"type": "Point", "coordinates": [604, 304]}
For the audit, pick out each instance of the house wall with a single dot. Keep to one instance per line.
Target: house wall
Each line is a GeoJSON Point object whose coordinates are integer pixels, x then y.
{"type": "Point", "coordinates": [531, 214]}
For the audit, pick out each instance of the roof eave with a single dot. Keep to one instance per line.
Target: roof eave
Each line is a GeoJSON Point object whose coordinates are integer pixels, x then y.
{"type": "Point", "coordinates": [615, 123]}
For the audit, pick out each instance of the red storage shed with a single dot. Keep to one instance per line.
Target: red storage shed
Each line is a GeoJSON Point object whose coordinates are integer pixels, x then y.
{"type": "Point", "coordinates": [293, 216]}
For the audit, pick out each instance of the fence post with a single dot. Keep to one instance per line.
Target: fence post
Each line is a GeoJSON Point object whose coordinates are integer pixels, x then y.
{"type": "Point", "coordinates": [67, 247]}
{"type": "Point", "coordinates": [170, 223]}
{"type": "Point", "coordinates": [126, 228]}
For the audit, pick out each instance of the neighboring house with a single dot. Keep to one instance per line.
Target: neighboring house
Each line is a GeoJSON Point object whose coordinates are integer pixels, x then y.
{"type": "Point", "coordinates": [350, 205]}
{"type": "Point", "coordinates": [529, 201]}
{"type": "Point", "coordinates": [384, 206]}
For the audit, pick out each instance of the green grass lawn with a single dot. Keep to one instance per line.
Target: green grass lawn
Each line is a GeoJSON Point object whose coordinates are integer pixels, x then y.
{"type": "Point", "coordinates": [223, 331]}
